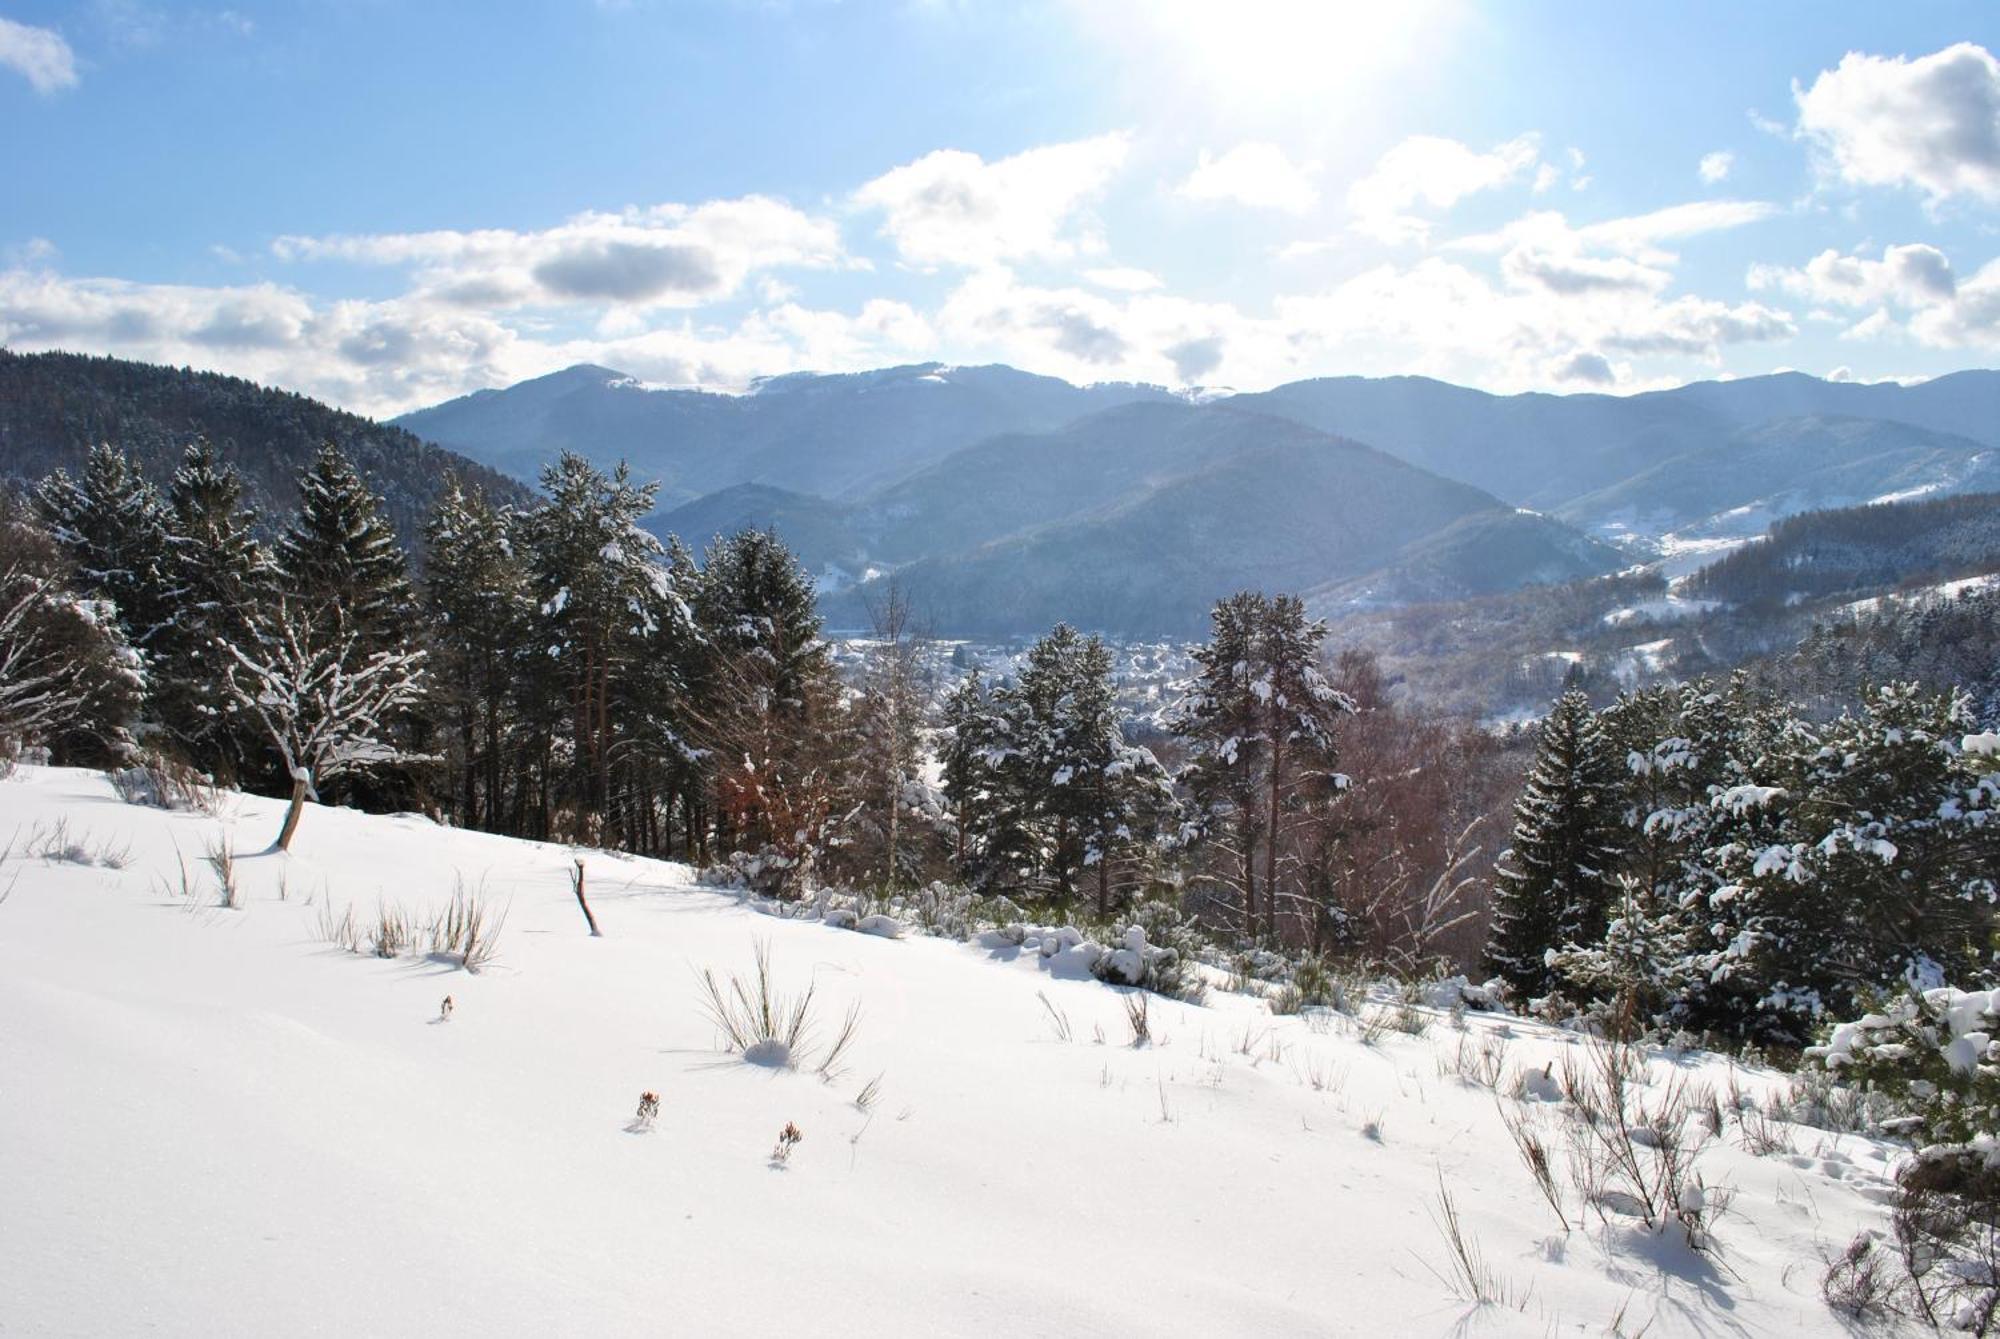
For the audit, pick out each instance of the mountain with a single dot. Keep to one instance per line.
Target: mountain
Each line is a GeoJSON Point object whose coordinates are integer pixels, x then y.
{"type": "Point", "coordinates": [1135, 521]}
{"type": "Point", "coordinates": [1546, 451]}
{"type": "Point", "coordinates": [1784, 466]}
{"type": "Point", "coordinates": [55, 406]}
{"type": "Point", "coordinates": [835, 436]}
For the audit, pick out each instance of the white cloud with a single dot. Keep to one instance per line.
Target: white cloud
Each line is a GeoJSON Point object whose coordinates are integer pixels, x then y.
{"type": "Point", "coordinates": [1909, 276]}
{"type": "Point", "coordinates": [1932, 123]}
{"type": "Point", "coordinates": [1255, 174]}
{"type": "Point", "coordinates": [39, 55]}
{"type": "Point", "coordinates": [1715, 167]}
{"type": "Point", "coordinates": [667, 255]}
{"type": "Point", "coordinates": [1970, 320]}
{"type": "Point", "coordinates": [1430, 170]}
{"type": "Point", "coordinates": [954, 208]}
{"type": "Point", "coordinates": [1125, 279]}
{"type": "Point", "coordinates": [386, 357]}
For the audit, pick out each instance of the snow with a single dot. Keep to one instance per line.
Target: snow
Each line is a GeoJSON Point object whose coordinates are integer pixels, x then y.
{"type": "Point", "coordinates": [1943, 590]}
{"type": "Point", "coordinates": [212, 1121]}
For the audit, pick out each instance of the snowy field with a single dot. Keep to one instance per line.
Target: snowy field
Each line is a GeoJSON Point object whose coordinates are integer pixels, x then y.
{"type": "Point", "coordinates": [213, 1122]}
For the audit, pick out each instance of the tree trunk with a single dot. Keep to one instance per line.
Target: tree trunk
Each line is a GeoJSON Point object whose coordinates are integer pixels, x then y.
{"type": "Point", "coordinates": [300, 784]}
{"type": "Point", "coordinates": [576, 884]}
{"type": "Point", "coordinates": [1271, 830]}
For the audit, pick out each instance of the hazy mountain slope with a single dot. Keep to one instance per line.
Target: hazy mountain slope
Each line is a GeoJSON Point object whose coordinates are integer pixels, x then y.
{"type": "Point", "coordinates": [1790, 465]}
{"type": "Point", "coordinates": [1012, 483]}
{"type": "Point", "coordinates": [1965, 404]}
{"type": "Point", "coordinates": [1546, 450]}
{"type": "Point", "coordinates": [837, 436]}
{"type": "Point", "coordinates": [1483, 553]}
{"type": "Point", "coordinates": [1533, 450]}
{"type": "Point", "coordinates": [55, 406]}
{"type": "Point", "coordinates": [1293, 514]}
{"type": "Point", "coordinates": [820, 533]}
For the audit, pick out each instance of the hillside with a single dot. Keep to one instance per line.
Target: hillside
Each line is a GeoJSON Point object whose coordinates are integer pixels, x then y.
{"type": "Point", "coordinates": [252, 1130]}
{"type": "Point", "coordinates": [1261, 504]}
{"type": "Point", "coordinates": [55, 406]}
{"type": "Point", "coordinates": [1785, 466]}
{"type": "Point", "coordinates": [1860, 549]}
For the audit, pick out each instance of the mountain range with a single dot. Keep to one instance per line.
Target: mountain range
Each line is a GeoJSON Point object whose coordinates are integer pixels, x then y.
{"type": "Point", "coordinates": [1004, 500]}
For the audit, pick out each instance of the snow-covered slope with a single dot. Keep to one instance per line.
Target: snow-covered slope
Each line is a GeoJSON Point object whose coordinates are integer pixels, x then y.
{"type": "Point", "coordinates": [214, 1122]}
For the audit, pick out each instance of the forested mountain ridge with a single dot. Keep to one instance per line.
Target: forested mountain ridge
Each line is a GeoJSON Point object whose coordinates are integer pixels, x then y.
{"type": "Point", "coordinates": [54, 407]}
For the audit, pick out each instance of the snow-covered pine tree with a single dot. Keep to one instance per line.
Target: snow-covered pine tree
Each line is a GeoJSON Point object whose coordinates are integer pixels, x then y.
{"type": "Point", "coordinates": [1259, 722]}
{"type": "Point", "coordinates": [340, 557]}
{"type": "Point", "coordinates": [1219, 720]}
{"type": "Point", "coordinates": [475, 596]}
{"type": "Point", "coordinates": [112, 525]}
{"type": "Point", "coordinates": [770, 705]}
{"type": "Point", "coordinates": [969, 727]}
{"type": "Point", "coordinates": [69, 682]}
{"type": "Point", "coordinates": [891, 835]}
{"type": "Point", "coordinates": [1557, 879]}
{"type": "Point", "coordinates": [608, 613]}
{"type": "Point", "coordinates": [217, 576]}
{"type": "Point", "coordinates": [1891, 824]}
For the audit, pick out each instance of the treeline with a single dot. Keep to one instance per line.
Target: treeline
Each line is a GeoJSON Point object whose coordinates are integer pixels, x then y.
{"type": "Point", "coordinates": [554, 671]}
{"type": "Point", "coordinates": [1704, 858]}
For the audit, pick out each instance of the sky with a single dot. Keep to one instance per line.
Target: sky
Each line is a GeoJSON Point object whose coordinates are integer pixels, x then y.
{"type": "Point", "coordinates": [387, 204]}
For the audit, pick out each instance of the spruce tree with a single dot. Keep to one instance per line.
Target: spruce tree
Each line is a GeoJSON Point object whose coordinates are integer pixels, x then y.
{"type": "Point", "coordinates": [339, 558]}
{"type": "Point", "coordinates": [770, 719]}
{"type": "Point", "coordinates": [607, 613]}
{"type": "Point", "coordinates": [478, 612]}
{"type": "Point", "coordinates": [1259, 725]}
{"type": "Point", "coordinates": [217, 575]}
{"type": "Point", "coordinates": [112, 525]}
{"type": "Point", "coordinates": [1558, 878]}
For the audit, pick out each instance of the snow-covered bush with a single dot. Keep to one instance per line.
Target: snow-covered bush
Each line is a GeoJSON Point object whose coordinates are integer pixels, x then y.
{"type": "Point", "coordinates": [1936, 1057]}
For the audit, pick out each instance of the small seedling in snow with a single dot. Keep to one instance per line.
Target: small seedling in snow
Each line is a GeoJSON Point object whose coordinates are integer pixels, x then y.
{"type": "Point", "coordinates": [445, 1010]}
{"type": "Point", "coordinates": [649, 1110]}
{"type": "Point", "coordinates": [788, 1139]}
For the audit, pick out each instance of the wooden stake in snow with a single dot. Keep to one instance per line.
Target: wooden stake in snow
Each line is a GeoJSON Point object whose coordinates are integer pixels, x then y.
{"type": "Point", "coordinates": [576, 884]}
{"type": "Point", "coordinates": [301, 783]}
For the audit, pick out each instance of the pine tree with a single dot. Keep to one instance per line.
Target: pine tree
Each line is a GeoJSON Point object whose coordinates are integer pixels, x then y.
{"type": "Point", "coordinates": [112, 525]}
{"type": "Point", "coordinates": [970, 725]}
{"type": "Point", "coordinates": [608, 612]}
{"type": "Point", "coordinates": [340, 558]}
{"type": "Point", "coordinates": [478, 614]}
{"type": "Point", "coordinates": [889, 715]}
{"type": "Point", "coordinates": [1220, 721]}
{"type": "Point", "coordinates": [1259, 722]}
{"type": "Point", "coordinates": [1557, 880]}
{"type": "Point", "coordinates": [770, 719]}
{"type": "Point", "coordinates": [217, 576]}
{"type": "Point", "coordinates": [69, 682]}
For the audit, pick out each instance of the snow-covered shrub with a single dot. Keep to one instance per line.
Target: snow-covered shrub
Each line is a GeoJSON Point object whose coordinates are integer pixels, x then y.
{"type": "Point", "coordinates": [1935, 1057]}
{"type": "Point", "coordinates": [1156, 951]}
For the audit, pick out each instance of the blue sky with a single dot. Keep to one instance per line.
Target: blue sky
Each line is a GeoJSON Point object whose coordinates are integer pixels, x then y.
{"type": "Point", "coordinates": [385, 204]}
